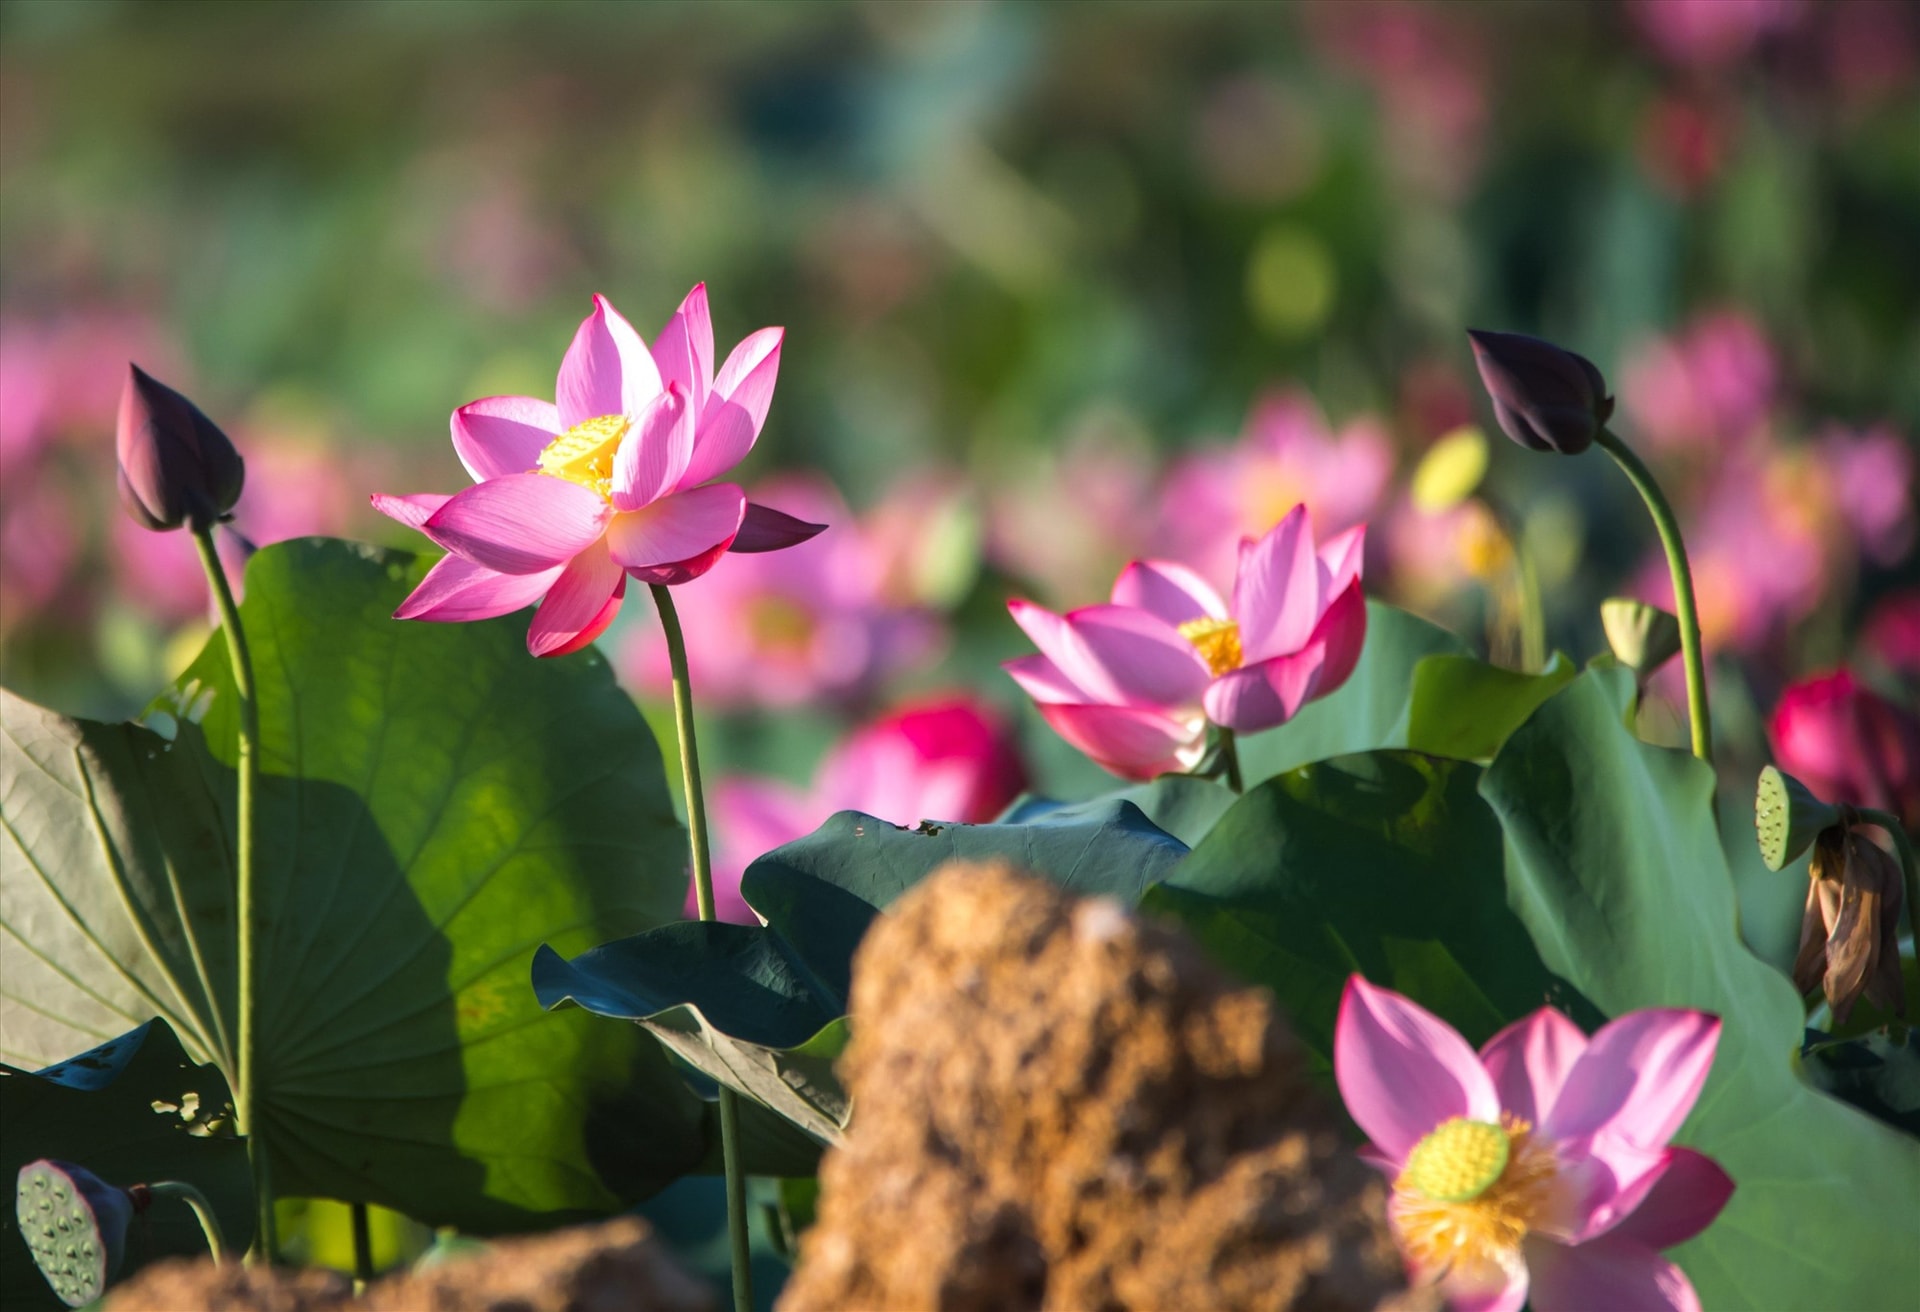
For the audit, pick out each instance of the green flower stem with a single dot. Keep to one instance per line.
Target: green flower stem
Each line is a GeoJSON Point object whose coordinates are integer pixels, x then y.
{"type": "Point", "coordinates": [1230, 760]}
{"type": "Point", "coordinates": [362, 1248]}
{"type": "Point", "coordinates": [703, 895]}
{"type": "Point", "coordinates": [247, 913]}
{"type": "Point", "coordinates": [202, 1210]}
{"type": "Point", "coordinates": [1668, 527]}
{"type": "Point", "coordinates": [1526, 580]}
{"type": "Point", "coordinates": [1904, 846]}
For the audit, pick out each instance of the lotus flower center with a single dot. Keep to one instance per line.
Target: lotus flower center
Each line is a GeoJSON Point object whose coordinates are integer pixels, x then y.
{"type": "Point", "coordinates": [584, 453]}
{"type": "Point", "coordinates": [1469, 1193]}
{"type": "Point", "coordinates": [1217, 641]}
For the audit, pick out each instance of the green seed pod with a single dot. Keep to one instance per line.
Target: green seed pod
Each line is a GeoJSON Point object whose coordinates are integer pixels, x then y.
{"type": "Point", "coordinates": [1788, 817]}
{"type": "Point", "coordinates": [75, 1223]}
{"type": "Point", "coordinates": [1643, 637]}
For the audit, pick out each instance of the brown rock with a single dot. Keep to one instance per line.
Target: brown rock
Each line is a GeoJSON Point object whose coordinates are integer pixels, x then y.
{"type": "Point", "coordinates": [614, 1267]}
{"type": "Point", "coordinates": [1060, 1107]}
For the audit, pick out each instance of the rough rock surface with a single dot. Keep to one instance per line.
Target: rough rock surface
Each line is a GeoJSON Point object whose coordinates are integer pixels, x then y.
{"type": "Point", "coordinates": [614, 1267]}
{"type": "Point", "coordinates": [1060, 1107]}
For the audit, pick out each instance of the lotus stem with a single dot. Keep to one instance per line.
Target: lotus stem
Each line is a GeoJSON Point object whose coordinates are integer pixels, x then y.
{"type": "Point", "coordinates": [1668, 526]}
{"type": "Point", "coordinates": [1230, 761]}
{"type": "Point", "coordinates": [1532, 620]}
{"type": "Point", "coordinates": [737, 1237]}
{"type": "Point", "coordinates": [202, 1210]}
{"type": "Point", "coordinates": [362, 1248]}
{"type": "Point", "coordinates": [247, 911]}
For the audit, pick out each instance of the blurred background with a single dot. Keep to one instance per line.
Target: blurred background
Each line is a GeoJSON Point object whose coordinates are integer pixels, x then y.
{"type": "Point", "coordinates": [1062, 285]}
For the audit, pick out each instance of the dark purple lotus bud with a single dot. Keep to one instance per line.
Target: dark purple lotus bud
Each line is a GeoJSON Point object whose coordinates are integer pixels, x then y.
{"type": "Point", "coordinates": [75, 1223]}
{"type": "Point", "coordinates": [176, 466]}
{"type": "Point", "coordinates": [1546, 399]}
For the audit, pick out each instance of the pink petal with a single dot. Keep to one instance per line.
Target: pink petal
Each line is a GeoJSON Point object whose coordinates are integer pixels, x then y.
{"type": "Point", "coordinates": [1529, 1061]}
{"type": "Point", "coordinates": [767, 529]}
{"type": "Point", "coordinates": [1685, 1198]}
{"type": "Point", "coordinates": [684, 349]}
{"type": "Point", "coordinates": [1610, 1274]}
{"type": "Point", "coordinates": [519, 524]}
{"type": "Point", "coordinates": [750, 817]}
{"type": "Point", "coordinates": [456, 590]}
{"type": "Point", "coordinates": [413, 509]}
{"type": "Point", "coordinates": [737, 408]}
{"type": "Point", "coordinates": [503, 434]}
{"type": "Point", "coordinates": [1637, 1079]}
{"type": "Point", "coordinates": [1343, 631]}
{"type": "Point", "coordinates": [579, 606]}
{"type": "Point", "coordinates": [607, 370]}
{"type": "Point", "coordinates": [654, 453]}
{"type": "Point", "coordinates": [1510, 1297]}
{"type": "Point", "coordinates": [1120, 656]}
{"type": "Point", "coordinates": [1042, 680]}
{"type": "Point", "coordinates": [1341, 557]}
{"type": "Point", "coordinates": [1276, 590]}
{"type": "Point", "coordinates": [677, 527]}
{"type": "Point", "coordinates": [1172, 592]}
{"type": "Point", "coordinates": [1132, 743]}
{"type": "Point", "coordinates": [1610, 1177]}
{"type": "Point", "coordinates": [1402, 1070]}
{"type": "Point", "coordinates": [1263, 696]}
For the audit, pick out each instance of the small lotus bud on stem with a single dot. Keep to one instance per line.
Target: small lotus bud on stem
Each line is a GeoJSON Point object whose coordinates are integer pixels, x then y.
{"type": "Point", "coordinates": [1546, 398]}
{"type": "Point", "coordinates": [175, 465]}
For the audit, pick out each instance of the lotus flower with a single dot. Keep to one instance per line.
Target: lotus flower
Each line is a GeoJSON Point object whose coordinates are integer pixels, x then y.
{"type": "Point", "coordinates": [1546, 397]}
{"type": "Point", "coordinates": [1538, 1169]}
{"type": "Point", "coordinates": [175, 465]}
{"type": "Point", "coordinates": [571, 498]}
{"type": "Point", "coordinates": [1133, 683]}
{"type": "Point", "coordinates": [947, 759]}
{"type": "Point", "coordinates": [1848, 744]}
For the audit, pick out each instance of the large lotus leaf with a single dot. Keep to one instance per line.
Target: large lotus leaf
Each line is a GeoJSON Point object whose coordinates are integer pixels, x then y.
{"type": "Point", "coordinates": [822, 891]}
{"type": "Point", "coordinates": [1182, 805]}
{"type": "Point", "coordinates": [762, 1023]}
{"type": "Point", "coordinates": [1464, 708]}
{"type": "Point", "coordinates": [133, 1110]}
{"type": "Point", "coordinates": [1614, 863]}
{"type": "Point", "coordinates": [1369, 711]}
{"type": "Point", "coordinates": [434, 805]}
{"type": "Point", "coordinates": [1387, 864]}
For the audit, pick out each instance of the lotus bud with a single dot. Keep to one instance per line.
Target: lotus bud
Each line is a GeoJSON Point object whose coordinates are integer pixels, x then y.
{"type": "Point", "coordinates": [1850, 934]}
{"type": "Point", "coordinates": [176, 466]}
{"type": "Point", "coordinates": [76, 1225]}
{"type": "Point", "coordinates": [1546, 398]}
{"type": "Point", "coordinates": [1643, 637]}
{"type": "Point", "coordinates": [1788, 817]}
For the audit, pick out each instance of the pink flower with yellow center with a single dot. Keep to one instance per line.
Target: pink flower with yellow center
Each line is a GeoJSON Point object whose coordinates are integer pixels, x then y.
{"type": "Point", "coordinates": [1538, 1169]}
{"type": "Point", "coordinates": [609, 481]}
{"type": "Point", "coordinates": [1133, 683]}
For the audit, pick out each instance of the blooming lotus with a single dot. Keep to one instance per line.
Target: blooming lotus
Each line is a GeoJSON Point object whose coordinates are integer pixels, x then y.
{"type": "Point", "coordinates": [946, 759]}
{"type": "Point", "coordinates": [1849, 744]}
{"type": "Point", "coordinates": [607, 482]}
{"type": "Point", "coordinates": [1538, 1169]}
{"type": "Point", "coordinates": [1133, 683]}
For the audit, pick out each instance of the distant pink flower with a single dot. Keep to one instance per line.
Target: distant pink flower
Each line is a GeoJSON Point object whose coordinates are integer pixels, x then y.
{"type": "Point", "coordinates": [1709, 386]}
{"type": "Point", "coordinates": [944, 759]}
{"type": "Point", "coordinates": [1849, 744]}
{"type": "Point", "coordinates": [608, 482]}
{"type": "Point", "coordinates": [1711, 34]}
{"type": "Point", "coordinates": [1288, 457]}
{"type": "Point", "coordinates": [1538, 1170]}
{"type": "Point", "coordinates": [792, 627]}
{"type": "Point", "coordinates": [1066, 524]}
{"type": "Point", "coordinates": [39, 547]}
{"type": "Point", "coordinates": [1892, 631]}
{"type": "Point", "coordinates": [1872, 478]}
{"type": "Point", "coordinates": [1133, 683]}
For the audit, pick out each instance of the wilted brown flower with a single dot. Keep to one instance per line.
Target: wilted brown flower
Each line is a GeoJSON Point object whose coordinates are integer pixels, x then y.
{"type": "Point", "coordinates": [1850, 936]}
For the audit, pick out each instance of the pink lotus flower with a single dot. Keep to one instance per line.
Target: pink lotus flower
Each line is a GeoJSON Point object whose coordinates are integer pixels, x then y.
{"type": "Point", "coordinates": [1289, 457]}
{"type": "Point", "coordinates": [571, 498]}
{"type": "Point", "coordinates": [1709, 386]}
{"type": "Point", "coordinates": [1848, 744]}
{"type": "Point", "coordinates": [1133, 683]}
{"type": "Point", "coordinates": [1540, 1168]}
{"type": "Point", "coordinates": [792, 627]}
{"type": "Point", "coordinates": [947, 759]}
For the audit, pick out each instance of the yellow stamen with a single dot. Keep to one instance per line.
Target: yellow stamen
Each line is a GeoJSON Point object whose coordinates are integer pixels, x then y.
{"type": "Point", "coordinates": [1217, 641]}
{"type": "Point", "coordinates": [584, 453]}
{"type": "Point", "coordinates": [1470, 1192]}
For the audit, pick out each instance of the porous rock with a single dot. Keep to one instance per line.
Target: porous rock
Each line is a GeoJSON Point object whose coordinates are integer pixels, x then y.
{"type": "Point", "coordinates": [1060, 1107]}
{"type": "Point", "coordinates": [617, 1266]}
